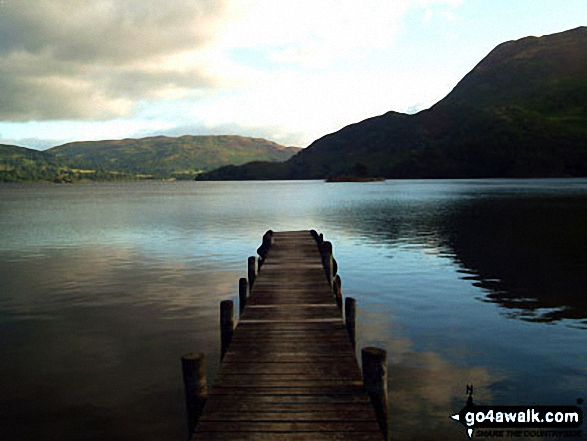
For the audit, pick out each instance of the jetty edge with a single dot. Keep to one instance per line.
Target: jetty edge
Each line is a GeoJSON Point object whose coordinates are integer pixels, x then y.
{"type": "Point", "coordinates": [289, 369]}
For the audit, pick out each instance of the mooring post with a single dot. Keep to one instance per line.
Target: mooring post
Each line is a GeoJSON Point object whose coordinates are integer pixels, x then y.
{"type": "Point", "coordinates": [314, 234]}
{"type": "Point", "coordinates": [327, 260]}
{"type": "Point", "coordinates": [252, 271]}
{"type": "Point", "coordinates": [263, 250]}
{"type": "Point", "coordinates": [350, 313]}
{"type": "Point", "coordinates": [337, 291]}
{"type": "Point", "coordinates": [196, 391]}
{"type": "Point", "coordinates": [375, 382]}
{"type": "Point", "coordinates": [226, 325]}
{"type": "Point", "coordinates": [243, 292]}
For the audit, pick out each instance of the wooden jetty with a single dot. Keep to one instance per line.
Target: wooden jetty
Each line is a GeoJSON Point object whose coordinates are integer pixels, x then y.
{"type": "Point", "coordinates": [289, 370]}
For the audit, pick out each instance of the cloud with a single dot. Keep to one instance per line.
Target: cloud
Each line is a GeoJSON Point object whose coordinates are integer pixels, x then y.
{"type": "Point", "coordinates": [444, 8]}
{"type": "Point", "coordinates": [34, 143]}
{"type": "Point", "coordinates": [311, 33]}
{"type": "Point", "coordinates": [94, 59]}
{"type": "Point", "coordinates": [288, 71]}
{"type": "Point", "coordinates": [107, 30]}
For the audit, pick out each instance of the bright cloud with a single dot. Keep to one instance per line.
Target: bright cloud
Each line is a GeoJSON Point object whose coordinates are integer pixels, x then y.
{"type": "Point", "coordinates": [313, 33]}
{"type": "Point", "coordinates": [66, 59]}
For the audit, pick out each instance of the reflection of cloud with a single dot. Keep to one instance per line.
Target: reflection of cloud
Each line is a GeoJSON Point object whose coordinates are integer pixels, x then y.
{"type": "Point", "coordinates": [424, 386]}
{"type": "Point", "coordinates": [425, 389]}
{"type": "Point", "coordinates": [108, 323]}
{"type": "Point", "coordinates": [96, 276]}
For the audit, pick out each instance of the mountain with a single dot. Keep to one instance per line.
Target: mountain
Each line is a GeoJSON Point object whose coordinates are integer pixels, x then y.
{"type": "Point", "coordinates": [23, 164]}
{"type": "Point", "coordinates": [164, 157]}
{"type": "Point", "coordinates": [521, 112]}
{"type": "Point", "coordinates": [157, 157]}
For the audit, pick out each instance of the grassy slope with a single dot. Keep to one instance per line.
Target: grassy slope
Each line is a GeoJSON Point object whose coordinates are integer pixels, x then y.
{"type": "Point", "coordinates": [165, 157]}
{"type": "Point", "coordinates": [22, 164]}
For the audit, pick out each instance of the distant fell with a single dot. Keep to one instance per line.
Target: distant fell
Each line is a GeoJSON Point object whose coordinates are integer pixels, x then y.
{"type": "Point", "coordinates": [23, 164]}
{"type": "Point", "coordinates": [521, 112]}
{"type": "Point", "coordinates": [158, 157]}
{"type": "Point", "coordinates": [165, 157]}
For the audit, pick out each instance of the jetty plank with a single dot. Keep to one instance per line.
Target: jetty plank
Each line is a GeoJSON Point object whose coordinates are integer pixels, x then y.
{"type": "Point", "coordinates": [290, 372]}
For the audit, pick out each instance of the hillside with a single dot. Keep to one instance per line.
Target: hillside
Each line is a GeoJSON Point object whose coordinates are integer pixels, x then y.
{"type": "Point", "coordinates": [147, 158]}
{"type": "Point", "coordinates": [521, 112]}
{"type": "Point", "coordinates": [165, 157]}
{"type": "Point", "coordinates": [22, 164]}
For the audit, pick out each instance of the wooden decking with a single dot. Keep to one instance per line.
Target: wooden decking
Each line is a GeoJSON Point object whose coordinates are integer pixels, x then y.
{"type": "Point", "coordinates": [290, 372]}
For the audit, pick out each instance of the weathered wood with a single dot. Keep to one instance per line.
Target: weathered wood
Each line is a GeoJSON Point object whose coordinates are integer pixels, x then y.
{"type": "Point", "coordinates": [227, 402]}
{"type": "Point", "coordinates": [253, 405]}
{"type": "Point", "coordinates": [350, 312]}
{"type": "Point", "coordinates": [243, 293]}
{"type": "Point", "coordinates": [252, 270]}
{"type": "Point", "coordinates": [196, 390]}
{"type": "Point", "coordinates": [327, 261]}
{"type": "Point", "coordinates": [290, 372]}
{"type": "Point", "coordinates": [226, 325]}
{"type": "Point", "coordinates": [264, 248]}
{"type": "Point", "coordinates": [290, 436]}
{"type": "Point", "coordinates": [285, 426]}
{"type": "Point", "coordinates": [337, 290]}
{"type": "Point", "coordinates": [299, 415]}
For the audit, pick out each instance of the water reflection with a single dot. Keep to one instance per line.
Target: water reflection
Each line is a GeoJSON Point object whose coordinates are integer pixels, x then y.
{"type": "Point", "coordinates": [527, 253]}
{"type": "Point", "coordinates": [103, 287]}
{"type": "Point", "coordinates": [93, 337]}
{"type": "Point", "coordinates": [522, 245]}
{"type": "Point", "coordinates": [425, 387]}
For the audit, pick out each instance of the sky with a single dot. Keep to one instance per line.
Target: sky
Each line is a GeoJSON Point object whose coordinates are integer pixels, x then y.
{"type": "Point", "coordinates": [288, 71]}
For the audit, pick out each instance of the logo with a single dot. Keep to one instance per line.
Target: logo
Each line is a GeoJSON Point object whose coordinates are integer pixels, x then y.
{"type": "Point", "coordinates": [515, 421]}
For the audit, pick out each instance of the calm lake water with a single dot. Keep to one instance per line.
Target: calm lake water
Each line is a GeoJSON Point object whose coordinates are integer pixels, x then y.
{"type": "Point", "coordinates": [104, 286]}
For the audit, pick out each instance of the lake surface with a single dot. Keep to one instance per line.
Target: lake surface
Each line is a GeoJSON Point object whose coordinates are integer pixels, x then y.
{"type": "Point", "coordinates": [104, 286]}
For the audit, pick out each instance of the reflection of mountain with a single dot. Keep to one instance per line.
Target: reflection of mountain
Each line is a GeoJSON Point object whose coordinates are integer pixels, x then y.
{"type": "Point", "coordinates": [527, 252]}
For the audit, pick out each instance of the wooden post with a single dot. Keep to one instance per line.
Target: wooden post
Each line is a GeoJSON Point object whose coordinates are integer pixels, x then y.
{"type": "Point", "coordinates": [350, 313]}
{"type": "Point", "coordinates": [375, 382]}
{"type": "Point", "coordinates": [196, 391]}
{"type": "Point", "coordinates": [263, 250]}
{"type": "Point", "coordinates": [243, 288]}
{"type": "Point", "coordinates": [327, 260]}
{"type": "Point", "coordinates": [268, 238]}
{"type": "Point", "coordinates": [252, 271]}
{"type": "Point", "coordinates": [337, 290]}
{"type": "Point", "coordinates": [226, 325]}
